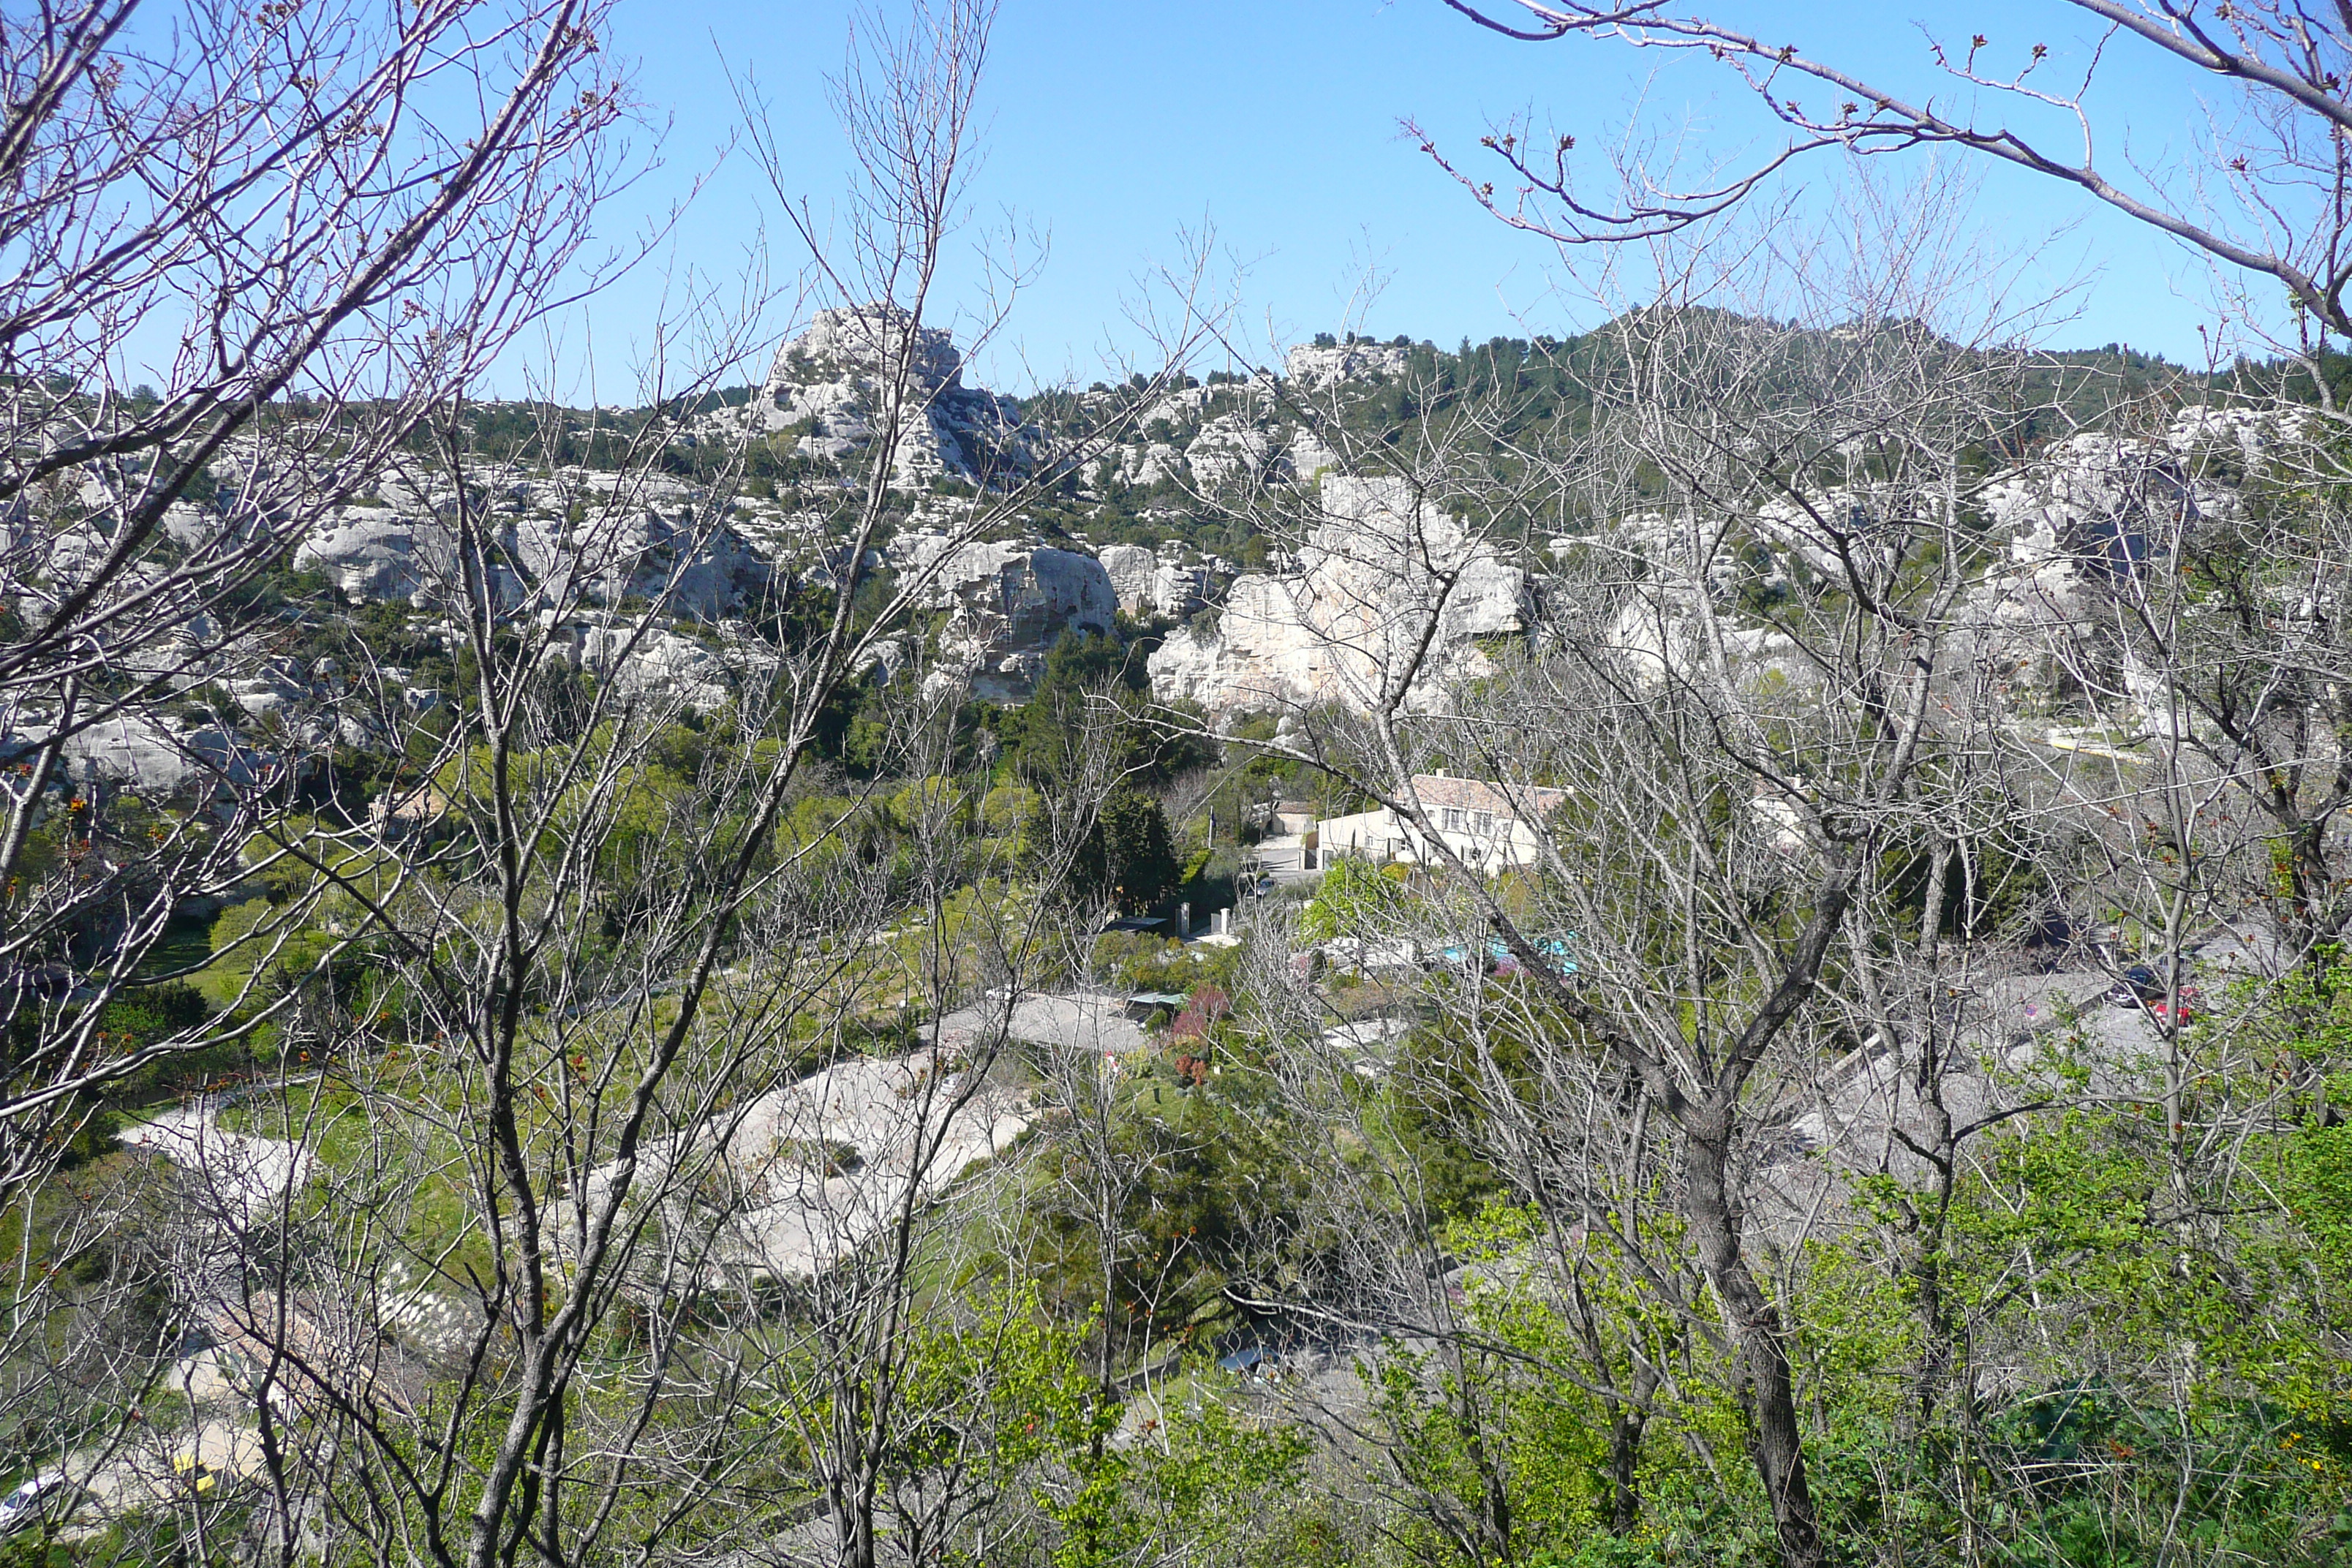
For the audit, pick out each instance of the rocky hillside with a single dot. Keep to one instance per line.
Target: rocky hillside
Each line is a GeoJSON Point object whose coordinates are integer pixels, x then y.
{"type": "Point", "coordinates": [1241, 518]}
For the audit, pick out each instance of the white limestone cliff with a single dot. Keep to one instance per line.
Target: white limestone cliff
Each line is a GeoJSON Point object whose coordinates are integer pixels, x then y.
{"type": "Point", "coordinates": [1347, 623]}
{"type": "Point", "coordinates": [1007, 604]}
{"type": "Point", "coordinates": [831, 382]}
{"type": "Point", "coordinates": [1313, 365]}
{"type": "Point", "coordinates": [652, 543]}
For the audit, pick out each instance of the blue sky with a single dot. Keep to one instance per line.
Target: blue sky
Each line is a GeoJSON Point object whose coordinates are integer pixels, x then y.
{"type": "Point", "coordinates": [1115, 128]}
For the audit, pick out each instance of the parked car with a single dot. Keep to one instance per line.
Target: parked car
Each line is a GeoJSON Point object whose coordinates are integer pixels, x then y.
{"type": "Point", "coordinates": [2141, 986]}
{"type": "Point", "coordinates": [1250, 1361]}
{"type": "Point", "coordinates": [46, 1496]}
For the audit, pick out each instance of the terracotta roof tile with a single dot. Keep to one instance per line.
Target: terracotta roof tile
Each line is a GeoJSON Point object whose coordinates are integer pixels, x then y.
{"type": "Point", "coordinates": [1439, 792]}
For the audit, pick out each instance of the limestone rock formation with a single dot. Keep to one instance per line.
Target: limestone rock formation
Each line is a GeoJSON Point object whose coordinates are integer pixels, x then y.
{"type": "Point", "coordinates": [1342, 627]}
{"type": "Point", "coordinates": [375, 553]}
{"type": "Point", "coordinates": [2086, 508]}
{"type": "Point", "coordinates": [2090, 496]}
{"type": "Point", "coordinates": [162, 760]}
{"type": "Point", "coordinates": [650, 544]}
{"type": "Point", "coordinates": [827, 384]}
{"type": "Point", "coordinates": [1231, 452]}
{"type": "Point", "coordinates": [1314, 365]}
{"type": "Point", "coordinates": [1133, 572]}
{"type": "Point", "coordinates": [1155, 583]}
{"type": "Point", "coordinates": [650, 662]}
{"type": "Point", "coordinates": [1007, 604]}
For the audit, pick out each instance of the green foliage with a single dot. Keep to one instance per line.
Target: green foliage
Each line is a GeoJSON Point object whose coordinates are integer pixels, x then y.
{"type": "Point", "coordinates": [1095, 690]}
{"type": "Point", "coordinates": [1354, 898]}
{"type": "Point", "coordinates": [1004, 1391]}
{"type": "Point", "coordinates": [1502, 1440]}
{"type": "Point", "coordinates": [1223, 1488]}
{"type": "Point", "coordinates": [1138, 961]}
{"type": "Point", "coordinates": [1214, 1168]}
{"type": "Point", "coordinates": [1138, 857]}
{"type": "Point", "coordinates": [1991, 888]}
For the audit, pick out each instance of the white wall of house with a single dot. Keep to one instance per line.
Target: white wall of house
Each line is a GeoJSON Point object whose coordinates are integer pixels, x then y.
{"type": "Point", "coordinates": [1489, 840]}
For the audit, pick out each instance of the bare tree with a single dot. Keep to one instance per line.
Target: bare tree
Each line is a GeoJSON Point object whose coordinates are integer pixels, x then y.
{"type": "Point", "coordinates": [1752, 659]}
{"type": "Point", "coordinates": [252, 254]}
{"type": "Point", "coordinates": [610, 925]}
{"type": "Point", "coordinates": [2264, 195]}
{"type": "Point", "coordinates": [290, 217]}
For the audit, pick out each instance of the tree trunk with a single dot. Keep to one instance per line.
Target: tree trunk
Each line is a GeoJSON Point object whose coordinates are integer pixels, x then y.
{"type": "Point", "coordinates": [1755, 1328]}
{"type": "Point", "coordinates": [1628, 1419]}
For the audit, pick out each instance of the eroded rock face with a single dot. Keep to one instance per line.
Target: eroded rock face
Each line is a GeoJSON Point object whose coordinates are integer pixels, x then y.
{"type": "Point", "coordinates": [694, 570]}
{"type": "Point", "coordinates": [377, 553]}
{"type": "Point", "coordinates": [652, 662]}
{"type": "Point", "coordinates": [156, 758]}
{"type": "Point", "coordinates": [830, 382]}
{"type": "Point", "coordinates": [1229, 453]}
{"type": "Point", "coordinates": [2091, 498]}
{"type": "Point", "coordinates": [1007, 604]}
{"type": "Point", "coordinates": [865, 341]}
{"type": "Point", "coordinates": [2082, 512]}
{"type": "Point", "coordinates": [1152, 582]}
{"type": "Point", "coordinates": [1131, 569]}
{"type": "Point", "coordinates": [1343, 627]}
{"type": "Point", "coordinates": [1311, 365]}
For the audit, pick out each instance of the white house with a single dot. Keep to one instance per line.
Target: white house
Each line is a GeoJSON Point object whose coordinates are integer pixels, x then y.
{"type": "Point", "coordinates": [1488, 825]}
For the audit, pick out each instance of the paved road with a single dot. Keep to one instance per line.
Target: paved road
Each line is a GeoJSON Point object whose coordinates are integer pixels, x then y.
{"type": "Point", "coordinates": [821, 1165]}
{"type": "Point", "coordinates": [239, 1177]}
{"type": "Point", "coordinates": [1072, 1021]}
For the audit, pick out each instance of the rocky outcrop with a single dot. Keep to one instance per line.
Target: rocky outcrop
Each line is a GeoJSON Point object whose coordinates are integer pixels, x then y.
{"type": "Point", "coordinates": [160, 759]}
{"type": "Point", "coordinates": [559, 540]}
{"type": "Point", "coordinates": [2082, 512]}
{"type": "Point", "coordinates": [1157, 583]}
{"type": "Point", "coordinates": [649, 662]}
{"type": "Point", "coordinates": [1007, 604]}
{"type": "Point", "coordinates": [1317, 365]}
{"type": "Point", "coordinates": [374, 553]}
{"type": "Point", "coordinates": [1134, 573]}
{"type": "Point", "coordinates": [2091, 498]}
{"type": "Point", "coordinates": [830, 385]}
{"type": "Point", "coordinates": [1344, 626]}
{"type": "Point", "coordinates": [1231, 453]}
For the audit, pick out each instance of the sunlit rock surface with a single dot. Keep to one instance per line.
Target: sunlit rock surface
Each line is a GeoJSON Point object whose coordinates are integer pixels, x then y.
{"type": "Point", "coordinates": [1345, 627]}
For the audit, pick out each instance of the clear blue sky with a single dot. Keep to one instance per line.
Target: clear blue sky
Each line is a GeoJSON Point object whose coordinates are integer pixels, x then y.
{"type": "Point", "coordinates": [1113, 128]}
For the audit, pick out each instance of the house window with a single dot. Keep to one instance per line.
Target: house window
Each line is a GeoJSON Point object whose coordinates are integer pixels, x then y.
{"type": "Point", "coordinates": [1483, 824]}
{"type": "Point", "coordinates": [1450, 819]}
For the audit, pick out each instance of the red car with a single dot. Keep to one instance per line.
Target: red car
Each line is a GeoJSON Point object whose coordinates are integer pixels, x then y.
{"type": "Point", "coordinates": [2144, 988]}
